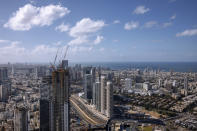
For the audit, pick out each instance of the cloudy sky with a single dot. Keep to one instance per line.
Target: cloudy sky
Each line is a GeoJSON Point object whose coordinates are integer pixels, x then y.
{"type": "Point", "coordinates": [98, 30]}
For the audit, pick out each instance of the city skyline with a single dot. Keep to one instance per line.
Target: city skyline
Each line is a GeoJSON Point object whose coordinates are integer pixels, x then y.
{"type": "Point", "coordinates": [32, 31]}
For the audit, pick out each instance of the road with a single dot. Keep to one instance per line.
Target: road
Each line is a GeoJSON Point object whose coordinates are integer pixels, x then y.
{"type": "Point", "coordinates": [87, 115]}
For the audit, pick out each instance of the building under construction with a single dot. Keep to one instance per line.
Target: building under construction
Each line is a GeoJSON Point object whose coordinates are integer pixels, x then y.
{"type": "Point", "coordinates": [59, 100]}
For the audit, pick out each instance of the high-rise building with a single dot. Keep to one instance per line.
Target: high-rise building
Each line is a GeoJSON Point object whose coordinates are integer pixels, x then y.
{"type": "Point", "coordinates": [59, 102]}
{"type": "Point", "coordinates": [3, 93]}
{"type": "Point", "coordinates": [97, 95]}
{"type": "Point", "coordinates": [64, 64]}
{"type": "Point", "coordinates": [103, 94]}
{"type": "Point", "coordinates": [3, 74]}
{"type": "Point", "coordinates": [185, 83]}
{"type": "Point", "coordinates": [128, 83]}
{"type": "Point", "coordinates": [160, 82]}
{"type": "Point", "coordinates": [88, 87]}
{"type": "Point", "coordinates": [88, 80]}
{"type": "Point", "coordinates": [45, 88]}
{"type": "Point", "coordinates": [20, 119]}
{"type": "Point", "coordinates": [109, 110]}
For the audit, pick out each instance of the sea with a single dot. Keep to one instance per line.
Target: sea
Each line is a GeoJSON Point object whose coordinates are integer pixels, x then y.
{"type": "Point", "coordinates": [163, 66]}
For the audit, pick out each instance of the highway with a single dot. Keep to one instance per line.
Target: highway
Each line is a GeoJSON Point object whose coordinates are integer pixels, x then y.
{"type": "Point", "coordinates": [86, 114]}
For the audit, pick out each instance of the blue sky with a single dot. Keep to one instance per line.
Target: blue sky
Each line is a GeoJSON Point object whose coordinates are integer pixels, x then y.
{"type": "Point", "coordinates": [98, 30]}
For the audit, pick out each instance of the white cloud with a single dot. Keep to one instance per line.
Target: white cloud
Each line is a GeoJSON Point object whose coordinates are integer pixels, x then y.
{"type": "Point", "coordinates": [29, 16]}
{"type": "Point", "coordinates": [86, 26]}
{"type": "Point", "coordinates": [13, 52]}
{"type": "Point", "coordinates": [4, 41]}
{"type": "Point", "coordinates": [173, 17]}
{"type": "Point", "coordinates": [190, 32]}
{"type": "Point", "coordinates": [84, 30]}
{"type": "Point", "coordinates": [62, 27]}
{"type": "Point", "coordinates": [116, 22]}
{"type": "Point", "coordinates": [141, 10]}
{"type": "Point", "coordinates": [98, 39]}
{"type": "Point", "coordinates": [79, 40]}
{"type": "Point", "coordinates": [167, 24]}
{"type": "Point", "coordinates": [150, 24]}
{"type": "Point", "coordinates": [131, 25]}
{"type": "Point", "coordinates": [79, 49]}
{"type": "Point", "coordinates": [43, 50]}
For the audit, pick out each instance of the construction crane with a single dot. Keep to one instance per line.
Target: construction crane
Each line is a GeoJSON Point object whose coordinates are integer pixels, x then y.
{"type": "Point", "coordinates": [67, 47]}
{"type": "Point", "coordinates": [53, 64]}
{"type": "Point", "coordinates": [61, 57]}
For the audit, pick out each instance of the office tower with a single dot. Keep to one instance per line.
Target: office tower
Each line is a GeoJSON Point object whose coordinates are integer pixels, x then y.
{"type": "Point", "coordinates": [3, 93]}
{"type": "Point", "coordinates": [185, 83]}
{"type": "Point", "coordinates": [88, 79]}
{"type": "Point", "coordinates": [59, 101]}
{"type": "Point", "coordinates": [88, 87]}
{"type": "Point", "coordinates": [44, 102]}
{"type": "Point", "coordinates": [12, 72]}
{"type": "Point", "coordinates": [109, 94]}
{"type": "Point", "coordinates": [3, 74]}
{"type": "Point", "coordinates": [103, 94]}
{"type": "Point", "coordinates": [160, 82]}
{"type": "Point", "coordinates": [93, 73]}
{"type": "Point", "coordinates": [97, 95]}
{"type": "Point", "coordinates": [128, 83]}
{"type": "Point", "coordinates": [36, 73]}
{"type": "Point", "coordinates": [94, 93]}
{"type": "Point", "coordinates": [64, 64]}
{"type": "Point", "coordinates": [20, 119]}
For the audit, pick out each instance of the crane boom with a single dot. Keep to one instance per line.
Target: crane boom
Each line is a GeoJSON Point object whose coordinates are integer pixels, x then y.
{"type": "Point", "coordinates": [66, 51]}
{"type": "Point", "coordinates": [56, 55]}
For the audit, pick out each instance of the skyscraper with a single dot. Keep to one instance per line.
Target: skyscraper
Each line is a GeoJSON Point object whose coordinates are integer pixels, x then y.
{"type": "Point", "coordinates": [97, 95]}
{"type": "Point", "coordinates": [185, 83]}
{"type": "Point", "coordinates": [20, 119]}
{"type": "Point", "coordinates": [45, 88]}
{"type": "Point", "coordinates": [59, 101]}
{"type": "Point", "coordinates": [109, 110]}
{"type": "Point", "coordinates": [3, 74]}
{"type": "Point", "coordinates": [3, 93]}
{"type": "Point", "coordinates": [88, 87]}
{"type": "Point", "coordinates": [88, 80]}
{"type": "Point", "coordinates": [103, 94]}
{"type": "Point", "coordinates": [64, 64]}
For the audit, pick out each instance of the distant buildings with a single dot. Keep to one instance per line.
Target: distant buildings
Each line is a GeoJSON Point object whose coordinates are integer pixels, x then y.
{"type": "Point", "coordinates": [20, 119]}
